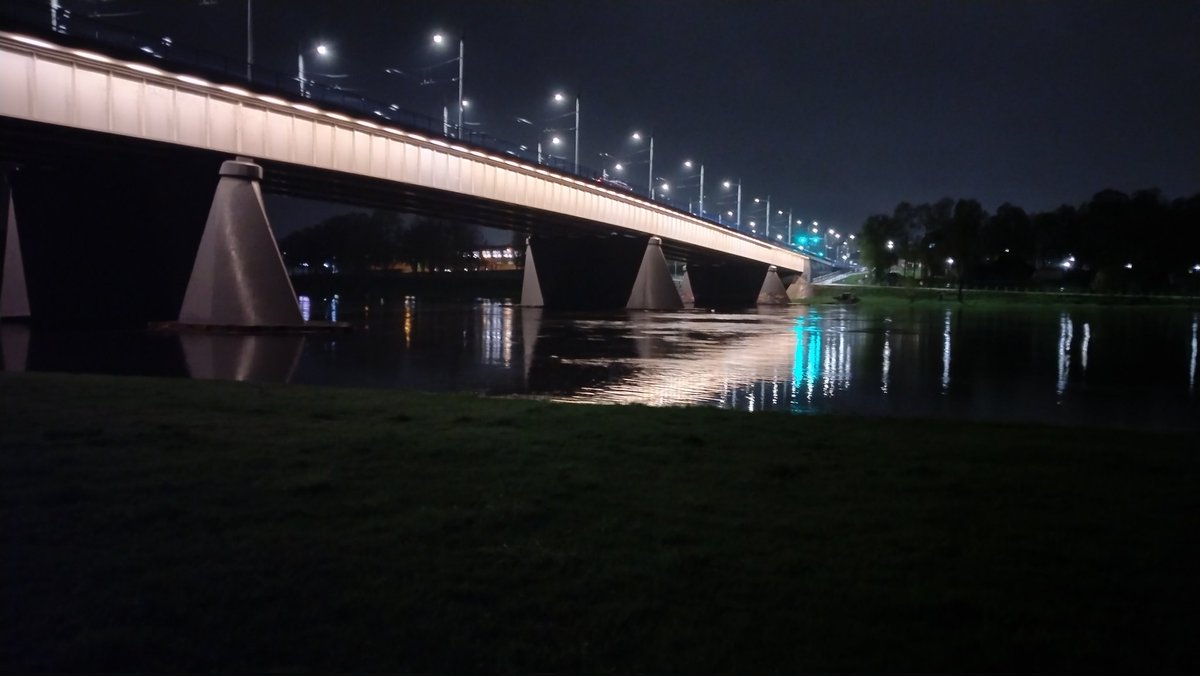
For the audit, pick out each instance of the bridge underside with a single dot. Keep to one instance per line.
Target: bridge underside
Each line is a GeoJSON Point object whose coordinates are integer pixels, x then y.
{"type": "Point", "coordinates": [110, 226]}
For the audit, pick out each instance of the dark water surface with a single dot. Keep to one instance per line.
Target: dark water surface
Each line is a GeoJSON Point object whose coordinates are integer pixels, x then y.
{"type": "Point", "coordinates": [1076, 366]}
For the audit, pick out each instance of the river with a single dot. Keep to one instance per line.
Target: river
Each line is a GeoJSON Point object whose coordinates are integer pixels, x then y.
{"type": "Point", "coordinates": [1122, 367]}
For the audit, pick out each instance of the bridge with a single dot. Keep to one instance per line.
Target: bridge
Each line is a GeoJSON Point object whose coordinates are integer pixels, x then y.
{"type": "Point", "coordinates": [133, 148]}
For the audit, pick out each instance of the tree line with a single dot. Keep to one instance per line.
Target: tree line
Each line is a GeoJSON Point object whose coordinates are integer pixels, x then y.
{"type": "Point", "coordinates": [360, 241]}
{"type": "Point", "coordinates": [1114, 242]}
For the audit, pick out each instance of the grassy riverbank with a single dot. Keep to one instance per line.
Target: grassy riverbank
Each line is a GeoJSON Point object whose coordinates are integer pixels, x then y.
{"type": "Point", "coordinates": [891, 295]}
{"type": "Point", "coordinates": [179, 525]}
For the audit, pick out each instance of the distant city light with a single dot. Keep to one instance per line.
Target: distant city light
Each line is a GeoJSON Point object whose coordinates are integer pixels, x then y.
{"type": "Point", "coordinates": [1129, 266]}
{"type": "Point", "coordinates": [891, 245]}
{"type": "Point", "coordinates": [949, 261]}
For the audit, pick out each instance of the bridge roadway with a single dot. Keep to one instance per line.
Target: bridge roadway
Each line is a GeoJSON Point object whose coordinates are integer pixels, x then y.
{"type": "Point", "coordinates": [60, 101]}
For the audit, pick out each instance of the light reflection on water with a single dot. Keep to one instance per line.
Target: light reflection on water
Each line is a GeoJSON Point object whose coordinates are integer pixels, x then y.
{"type": "Point", "coordinates": [1076, 366]}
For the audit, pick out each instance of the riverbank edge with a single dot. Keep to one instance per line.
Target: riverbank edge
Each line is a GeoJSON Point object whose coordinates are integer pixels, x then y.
{"type": "Point", "coordinates": [159, 524]}
{"type": "Point", "coordinates": [830, 293]}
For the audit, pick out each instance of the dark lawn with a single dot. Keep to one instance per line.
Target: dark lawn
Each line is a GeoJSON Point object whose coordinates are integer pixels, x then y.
{"type": "Point", "coordinates": [178, 525]}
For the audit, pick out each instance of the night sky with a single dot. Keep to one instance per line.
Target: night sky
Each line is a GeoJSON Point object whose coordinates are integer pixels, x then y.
{"type": "Point", "coordinates": [836, 109]}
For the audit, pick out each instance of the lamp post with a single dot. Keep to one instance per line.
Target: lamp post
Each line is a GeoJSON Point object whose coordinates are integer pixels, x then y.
{"type": "Point", "coordinates": [738, 218]}
{"type": "Point", "coordinates": [249, 40]}
{"type": "Point", "coordinates": [438, 39]}
{"type": "Point", "coordinates": [559, 97]}
{"type": "Point", "coordinates": [638, 137]}
{"type": "Point", "coordinates": [321, 49]}
{"type": "Point", "coordinates": [689, 164]}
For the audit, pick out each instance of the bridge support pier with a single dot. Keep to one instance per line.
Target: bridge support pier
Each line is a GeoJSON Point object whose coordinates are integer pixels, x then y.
{"type": "Point", "coordinates": [597, 273]}
{"type": "Point", "coordinates": [772, 291]}
{"type": "Point", "coordinates": [14, 295]}
{"type": "Point", "coordinates": [799, 288]}
{"type": "Point", "coordinates": [238, 278]}
{"type": "Point", "coordinates": [653, 289]}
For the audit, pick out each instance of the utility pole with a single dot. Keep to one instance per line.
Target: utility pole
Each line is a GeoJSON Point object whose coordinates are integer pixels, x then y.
{"type": "Point", "coordinates": [249, 40]}
{"type": "Point", "coordinates": [651, 165]}
{"type": "Point", "coordinates": [460, 85]}
{"type": "Point", "coordinates": [739, 206]}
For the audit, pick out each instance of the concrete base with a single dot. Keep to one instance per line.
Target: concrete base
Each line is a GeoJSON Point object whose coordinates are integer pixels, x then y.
{"type": "Point", "coordinates": [654, 289]}
{"type": "Point", "coordinates": [772, 291]}
{"type": "Point", "coordinates": [14, 295]}
{"type": "Point", "coordinates": [685, 290]}
{"type": "Point", "coordinates": [799, 288]}
{"type": "Point", "coordinates": [238, 278]}
{"type": "Point", "coordinates": [531, 286]}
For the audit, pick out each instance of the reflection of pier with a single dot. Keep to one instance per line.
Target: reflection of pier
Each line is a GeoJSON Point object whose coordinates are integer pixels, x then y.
{"type": "Point", "coordinates": [257, 358]}
{"type": "Point", "coordinates": [14, 347]}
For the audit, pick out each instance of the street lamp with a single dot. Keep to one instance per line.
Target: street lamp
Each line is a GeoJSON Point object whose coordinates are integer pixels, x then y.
{"type": "Point", "coordinates": [637, 136]}
{"type": "Point", "coordinates": [688, 164]}
{"type": "Point", "coordinates": [559, 98]}
{"type": "Point", "coordinates": [439, 39]}
{"type": "Point", "coordinates": [738, 218]}
{"type": "Point", "coordinates": [320, 49]}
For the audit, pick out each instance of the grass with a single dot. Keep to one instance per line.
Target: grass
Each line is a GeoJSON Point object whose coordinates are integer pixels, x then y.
{"type": "Point", "coordinates": [153, 524]}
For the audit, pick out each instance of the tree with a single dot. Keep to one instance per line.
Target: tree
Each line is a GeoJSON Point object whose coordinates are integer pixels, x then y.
{"type": "Point", "coordinates": [962, 238]}
{"type": "Point", "coordinates": [874, 237]}
{"type": "Point", "coordinates": [437, 245]}
{"type": "Point", "coordinates": [353, 242]}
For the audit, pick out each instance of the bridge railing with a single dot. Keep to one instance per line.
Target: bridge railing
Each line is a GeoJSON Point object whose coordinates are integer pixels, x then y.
{"type": "Point", "coordinates": [82, 32]}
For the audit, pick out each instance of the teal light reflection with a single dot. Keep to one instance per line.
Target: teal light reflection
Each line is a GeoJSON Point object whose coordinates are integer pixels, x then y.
{"type": "Point", "coordinates": [806, 365]}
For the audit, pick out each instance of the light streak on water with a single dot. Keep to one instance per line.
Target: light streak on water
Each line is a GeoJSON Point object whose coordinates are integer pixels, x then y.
{"type": "Point", "coordinates": [1192, 366]}
{"type": "Point", "coordinates": [1066, 331]}
{"type": "Point", "coordinates": [887, 361]}
{"type": "Point", "coordinates": [946, 352]}
{"type": "Point", "coordinates": [1083, 349]}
